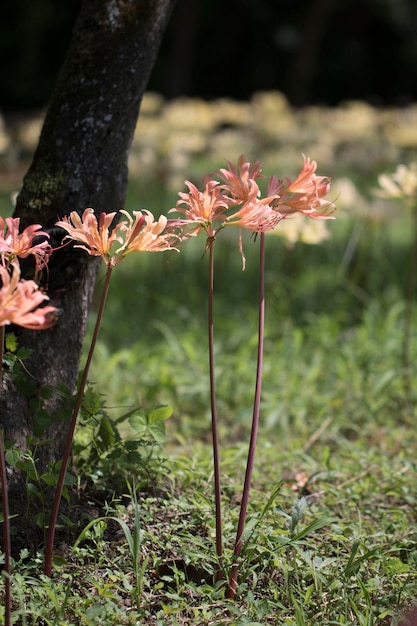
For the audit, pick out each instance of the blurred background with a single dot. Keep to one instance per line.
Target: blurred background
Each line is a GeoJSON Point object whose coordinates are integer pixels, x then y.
{"type": "Point", "coordinates": [314, 51]}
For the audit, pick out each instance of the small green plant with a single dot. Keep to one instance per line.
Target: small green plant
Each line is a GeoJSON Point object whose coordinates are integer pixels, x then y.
{"type": "Point", "coordinates": [133, 540]}
{"type": "Point", "coordinates": [110, 451]}
{"type": "Point", "coordinates": [38, 484]}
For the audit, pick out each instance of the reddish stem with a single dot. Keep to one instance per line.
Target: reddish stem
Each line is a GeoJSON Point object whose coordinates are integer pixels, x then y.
{"type": "Point", "coordinates": [6, 536]}
{"type": "Point", "coordinates": [60, 485]}
{"type": "Point", "coordinates": [214, 425]}
{"type": "Point", "coordinates": [255, 424]}
{"type": "Point", "coordinates": [5, 508]}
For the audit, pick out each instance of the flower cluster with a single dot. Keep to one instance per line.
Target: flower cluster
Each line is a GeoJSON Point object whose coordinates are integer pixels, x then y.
{"type": "Point", "coordinates": [138, 234]}
{"type": "Point", "coordinates": [232, 197]}
{"type": "Point", "coordinates": [14, 244]}
{"type": "Point", "coordinates": [21, 301]}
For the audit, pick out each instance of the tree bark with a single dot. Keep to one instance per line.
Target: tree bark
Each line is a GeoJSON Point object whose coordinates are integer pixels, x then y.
{"type": "Point", "coordinates": [80, 162]}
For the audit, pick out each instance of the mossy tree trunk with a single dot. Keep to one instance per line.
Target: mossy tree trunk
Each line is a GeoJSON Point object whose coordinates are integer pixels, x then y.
{"type": "Point", "coordinates": [80, 162]}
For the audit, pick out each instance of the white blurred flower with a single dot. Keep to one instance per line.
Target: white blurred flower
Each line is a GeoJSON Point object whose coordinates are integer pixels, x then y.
{"type": "Point", "coordinates": [299, 228]}
{"type": "Point", "coordinates": [402, 184]}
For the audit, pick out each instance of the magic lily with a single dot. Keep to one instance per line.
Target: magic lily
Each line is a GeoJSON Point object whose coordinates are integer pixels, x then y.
{"type": "Point", "coordinates": [21, 302]}
{"type": "Point", "coordinates": [15, 244]}
{"type": "Point", "coordinates": [140, 233]}
{"type": "Point", "coordinates": [232, 197]}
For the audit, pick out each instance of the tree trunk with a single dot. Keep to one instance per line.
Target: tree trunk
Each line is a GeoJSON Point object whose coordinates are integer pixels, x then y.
{"type": "Point", "coordinates": [80, 162]}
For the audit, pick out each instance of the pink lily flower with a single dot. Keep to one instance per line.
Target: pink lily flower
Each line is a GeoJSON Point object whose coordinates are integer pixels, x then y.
{"type": "Point", "coordinates": [20, 302]}
{"type": "Point", "coordinates": [14, 244]}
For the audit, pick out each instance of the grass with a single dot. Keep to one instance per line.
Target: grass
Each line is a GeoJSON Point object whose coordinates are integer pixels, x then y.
{"type": "Point", "coordinates": [336, 545]}
{"type": "Point", "coordinates": [332, 535]}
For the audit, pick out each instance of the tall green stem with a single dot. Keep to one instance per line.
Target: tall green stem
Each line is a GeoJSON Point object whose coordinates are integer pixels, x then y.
{"type": "Point", "coordinates": [255, 424]}
{"type": "Point", "coordinates": [5, 508]}
{"type": "Point", "coordinates": [60, 485]}
{"type": "Point", "coordinates": [214, 425]}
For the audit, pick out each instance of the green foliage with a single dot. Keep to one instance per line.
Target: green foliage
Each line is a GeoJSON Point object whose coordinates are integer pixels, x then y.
{"type": "Point", "coordinates": [342, 552]}
{"type": "Point", "coordinates": [110, 451]}
{"type": "Point", "coordinates": [38, 483]}
{"type": "Point", "coordinates": [133, 540]}
{"type": "Point", "coordinates": [107, 451]}
{"type": "Point", "coordinates": [13, 358]}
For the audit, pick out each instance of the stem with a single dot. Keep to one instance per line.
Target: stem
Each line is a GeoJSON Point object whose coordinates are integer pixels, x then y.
{"type": "Point", "coordinates": [60, 485]}
{"type": "Point", "coordinates": [255, 424]}
{"type": "Point", "coordinates": [214, 426]}
{"type": "Point", "coordinates": [5, 508]}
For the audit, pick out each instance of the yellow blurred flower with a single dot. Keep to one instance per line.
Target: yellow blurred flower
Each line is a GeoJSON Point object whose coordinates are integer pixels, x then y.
{"type": "Point", "coordinates": [298, 228]}
{"type": "Point", "coordinates": [401, 184]}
